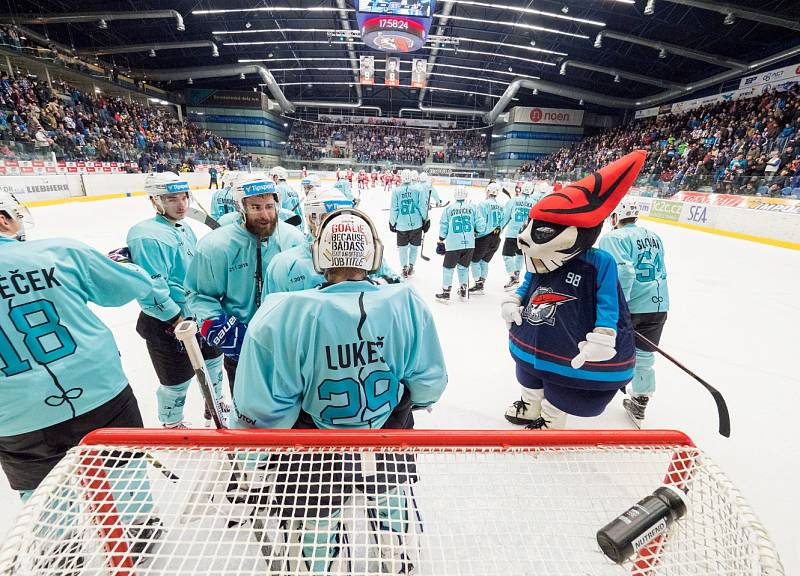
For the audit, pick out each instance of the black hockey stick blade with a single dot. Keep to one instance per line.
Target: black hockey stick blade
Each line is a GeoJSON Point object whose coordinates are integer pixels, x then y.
{"type": "Point", "coordinates": [202, 217]}
{"type": "Point", "coordinates": [722, 406]}
{"type": "Point", "coordinates": [422, 248]}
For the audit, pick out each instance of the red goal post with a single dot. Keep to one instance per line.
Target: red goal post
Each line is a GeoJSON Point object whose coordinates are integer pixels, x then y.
{"type": "Point", "coordinates": [245, 502]}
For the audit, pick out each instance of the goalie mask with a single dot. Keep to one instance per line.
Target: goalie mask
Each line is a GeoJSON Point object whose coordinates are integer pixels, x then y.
{"type": "Point", "coordinates": [567, 222]}
{"type": "Point", "coordinates": [347, 239]}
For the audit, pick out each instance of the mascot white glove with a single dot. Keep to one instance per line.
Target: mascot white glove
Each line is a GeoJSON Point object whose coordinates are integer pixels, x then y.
{"type": "Point", "coordinates": [511, 311]}
{"type": "Point", "coordinates": [598, 347]}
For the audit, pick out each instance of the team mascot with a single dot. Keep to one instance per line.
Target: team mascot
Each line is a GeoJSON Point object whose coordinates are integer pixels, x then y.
{"type": "Point", "coordinates": [570, 330]}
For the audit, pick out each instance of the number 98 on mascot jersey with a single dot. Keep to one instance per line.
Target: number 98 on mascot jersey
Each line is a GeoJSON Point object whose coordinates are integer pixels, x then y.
{"type": "Point", "coordinates": [570, 331]}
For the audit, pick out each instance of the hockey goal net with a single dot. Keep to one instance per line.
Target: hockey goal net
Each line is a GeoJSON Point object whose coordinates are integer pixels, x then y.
{"type": "Point", "coordinates": [154, 502]}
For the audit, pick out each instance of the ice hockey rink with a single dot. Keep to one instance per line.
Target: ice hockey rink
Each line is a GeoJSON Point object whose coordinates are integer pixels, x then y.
{"type": "Point", "coordinates": [733, 319]}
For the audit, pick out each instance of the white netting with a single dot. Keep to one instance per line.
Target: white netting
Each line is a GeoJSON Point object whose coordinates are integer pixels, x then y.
{"type": "Point", "coordinates": [150, 510]}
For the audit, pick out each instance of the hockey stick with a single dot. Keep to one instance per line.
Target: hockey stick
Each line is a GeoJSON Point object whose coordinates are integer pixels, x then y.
{"type": "Point", "coordinates": [185, 332]}
{"type": "Point", "coordinates": [422, 249]}
{"type": "Point", "coordinates": [202, 217]}
{"type": "Point", "coordinates": [722, 407]}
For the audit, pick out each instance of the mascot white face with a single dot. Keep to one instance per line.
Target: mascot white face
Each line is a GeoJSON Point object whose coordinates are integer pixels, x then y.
{"type": "Point", "coordinates": [547, 246]}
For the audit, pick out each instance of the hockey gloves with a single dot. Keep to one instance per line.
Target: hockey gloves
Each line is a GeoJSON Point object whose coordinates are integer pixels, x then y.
{"type": "Point", "coordinates": [392, 227]}
{"type": "Point", "coordinates": [440, 248]}
{"type": "Point", "coordinates": [121, 255]}
{"type": "Point", "coordinates": [226, 333]}
{"type": "Point", "coordinates": [511, 311]}
{"type": "Point", "coordinates": [426, 225]}
{"type": "Point", "coordinates": [598, 347]}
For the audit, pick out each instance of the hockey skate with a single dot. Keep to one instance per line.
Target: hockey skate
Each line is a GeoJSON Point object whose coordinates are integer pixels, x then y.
{"type": "Point", "coordinates": [477, 290]}
{"type": "Point", "coordinates": [463, 293]}
{"type": "Point", "coordinates": [410, 271]}
{"type": "Point", "coordinates": [404, 273]}
{"type": "Point", "coordinates": [144, 535]}
{"type": "Point", "coordinates": [182, 425]}
{"type": "Point", "coordinates": [444, 296]}
{"type": "Point", "coordinates": [224, 412]}
{"type": "Point", "coordinates": [635, 407]}
{"type": "Point", "coordinates": [513, 281]}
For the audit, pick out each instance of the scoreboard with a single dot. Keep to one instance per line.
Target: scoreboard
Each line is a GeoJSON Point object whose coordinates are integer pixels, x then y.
{"type": "Point", "coordinates": [395, 25]}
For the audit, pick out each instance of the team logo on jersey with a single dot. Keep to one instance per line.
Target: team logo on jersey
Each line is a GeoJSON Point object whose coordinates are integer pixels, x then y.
{"type": "Point", "coordinates": [541, 308]}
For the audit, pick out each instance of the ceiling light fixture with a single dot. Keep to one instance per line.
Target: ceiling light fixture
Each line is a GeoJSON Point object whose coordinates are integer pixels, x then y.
{"type": "Point", "coordinates": [617, 79]}
{"type": "Point", "coordinates": [102, 24]}
{"type": "Point", "coordinates": [729, 19]}
{"type": "Point", "coordinates": [532, 11]}
{"type": "Point", "coordinates": [650, 7]}
{"type": "Point", "coordinates": [241, 76]}
{"type": "Point", "coordinates": [189, 81]}
{"type": "Point", "coordinates": [598, 40]}
{"type": "Point", "coordinates": [563, 70]}
{"type": "Point", "coordinates": [248, 25]}
{"type": "Point", "coordinates": [580, 102]}
{"type": "Point", "coordinates": [514, 25]}
{"type": "Point", "coordinates": [152, 53]}
{"type": "Point", "coordinates": [662, 53]}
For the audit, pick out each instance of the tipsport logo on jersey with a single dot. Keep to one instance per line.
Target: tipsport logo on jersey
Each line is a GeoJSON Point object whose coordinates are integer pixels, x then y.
{"type": "Point", "coordinates": [543, 305]}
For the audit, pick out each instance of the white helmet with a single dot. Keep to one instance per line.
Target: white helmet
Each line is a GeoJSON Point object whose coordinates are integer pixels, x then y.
{"type": "Point", "coordinates": [310, 182]}
{"type": "Point", "coordinates": [528, 188]}
{"type": "Point", "coordinates": [406, 176]}
{"type": "Point", "coordinates": [319, 204]}
{"type": "Point", "coordinates": [252, 184]}
{"type": "Point", "coordinates": [625, 209]}
{"type": "Point", "coordinates": [19, 213]}
{"type": "Point", "coordinates": [424, 177]}
{"type": "Point", "coordinates": [494, 189]}
{"type": "Point", "coordinates": [158, 184]}
{"type": "Point", "coordinates": [347, 239]}
{"type": "Point", "coordinates": [414, 176]}
{"type": "Point", "coordinates": [460, 193]}
{"type": "Point", "coordinates": [280, 172]}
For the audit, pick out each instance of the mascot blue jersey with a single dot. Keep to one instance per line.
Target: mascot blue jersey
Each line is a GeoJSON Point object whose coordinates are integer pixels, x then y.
{"type": "Point", "coordinates": [560, 308]}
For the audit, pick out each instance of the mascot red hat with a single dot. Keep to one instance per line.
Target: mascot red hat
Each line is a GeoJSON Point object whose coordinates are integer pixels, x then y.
{"type": "Point", "coordinates": [589, 201]}
{"type": "Point", "coordinates": [567, 222]}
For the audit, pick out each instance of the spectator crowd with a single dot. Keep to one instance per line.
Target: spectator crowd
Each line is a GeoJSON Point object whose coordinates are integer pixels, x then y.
{"type": "Point", "coordinates": [746, 146]}
{"type": "Point", "coordinates": [387, 141]}
{"type": "Point", "coordinates": [75, 125]}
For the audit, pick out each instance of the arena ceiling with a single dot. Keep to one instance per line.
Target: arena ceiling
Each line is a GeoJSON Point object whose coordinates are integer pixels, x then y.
{"type": "Point", "coordinates": [498, 42]}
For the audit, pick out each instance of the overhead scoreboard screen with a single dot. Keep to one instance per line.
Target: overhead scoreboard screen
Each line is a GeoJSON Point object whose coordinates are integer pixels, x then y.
{"type": "Point", "coordinates": [395, 26]}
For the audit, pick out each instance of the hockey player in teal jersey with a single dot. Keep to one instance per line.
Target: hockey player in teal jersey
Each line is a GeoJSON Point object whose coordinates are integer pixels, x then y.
{"type": "Point", "coordinates": [293, 269]}
{"type": "Point", "coordinates": [226, 278]}
{"type": "Point", "coordinates": [488, 241]}
{"type": "Point", "coordinates": [222, 203]}
{"type": "Point", "coordinates": [163, 246]}
{"type": "Point", "coordinates": [459, 225]}
{"type": "Point", "coordinates": [428, 189]}
{"type": "Point", "coordinates": [639, 254]}
{"type": "Point", "coordinates": [61, 370]}
{"type": "Point", "coordinates": [289, 199]}
{"type": "Point", "coordinates": [344, 186]}
{"type": "Point", "coordinates": [514, 218]}
{"type": "Point", "coordinates": [351, 355]}
{"type": "Point", "coordinates": [408, 218]}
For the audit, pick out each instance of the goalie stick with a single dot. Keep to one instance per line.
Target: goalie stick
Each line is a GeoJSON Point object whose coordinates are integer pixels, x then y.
{"type": "Point", "coordinates": [722, 407]}
{"type": "Point", "coordinates": [185, 332]}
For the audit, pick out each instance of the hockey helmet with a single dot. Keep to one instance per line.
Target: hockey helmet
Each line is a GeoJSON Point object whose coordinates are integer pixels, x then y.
{"type": "Point", "coordinates": [347, 238]}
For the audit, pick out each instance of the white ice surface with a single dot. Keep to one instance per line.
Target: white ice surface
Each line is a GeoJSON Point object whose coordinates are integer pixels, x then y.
{"type": "Point", "coordinates": [734, 320]}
